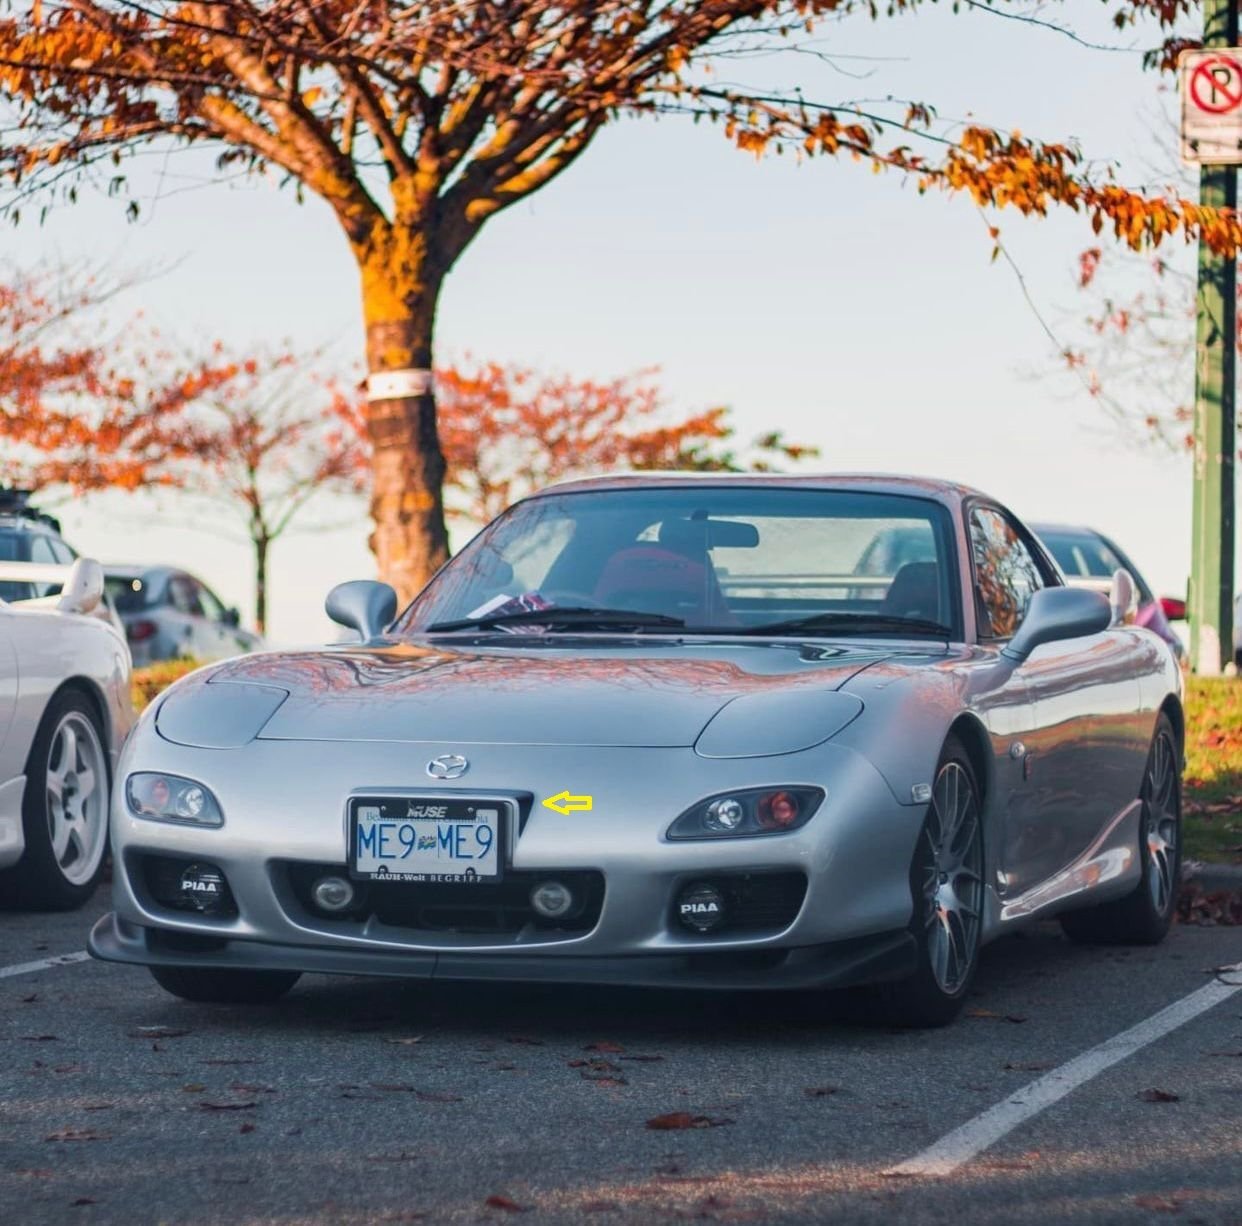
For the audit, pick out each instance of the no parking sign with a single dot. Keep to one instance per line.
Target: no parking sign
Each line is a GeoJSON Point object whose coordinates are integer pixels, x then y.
{"type": "Point", "coordinates": [1211, 88]}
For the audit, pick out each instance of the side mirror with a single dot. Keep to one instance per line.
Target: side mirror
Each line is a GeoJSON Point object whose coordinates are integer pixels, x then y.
{"type": "Point", "coordinates": [1174, 609]}
{"type": "Point", "coordinates": [232, 617]}
{"type": "Point", "coordinates": [362, 605]}
{"type": "Point", "coordinates": [1057, 613]}
{"type": "Point", "coordinates": [1123, 599]}
{"type": "Point", "coordinates": [83, 589]}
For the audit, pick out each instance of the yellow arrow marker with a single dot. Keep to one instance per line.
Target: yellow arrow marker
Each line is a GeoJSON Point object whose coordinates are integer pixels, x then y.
{"type": "Point", "coordinates": [563, 802]}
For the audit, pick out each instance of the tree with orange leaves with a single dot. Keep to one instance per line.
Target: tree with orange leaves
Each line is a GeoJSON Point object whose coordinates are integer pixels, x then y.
{"type": "Point", "coordinates": [87, 414]}
{"type": "Point", "coordinates": [507, 430]}
{"type": "Point", "coordinates": [269, 441]}
{"type": "Point", "coordinates": [416, 122]}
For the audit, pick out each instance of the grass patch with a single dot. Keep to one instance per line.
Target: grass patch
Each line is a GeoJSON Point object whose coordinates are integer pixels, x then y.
{"type": "Point", "coordinates": [151, 680]}
{"type": "Point", "coordinates": [1213, 799]}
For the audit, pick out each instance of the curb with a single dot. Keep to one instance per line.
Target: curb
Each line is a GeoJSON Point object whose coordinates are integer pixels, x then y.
{"type": "Point", "coordinates": [1212, 877]}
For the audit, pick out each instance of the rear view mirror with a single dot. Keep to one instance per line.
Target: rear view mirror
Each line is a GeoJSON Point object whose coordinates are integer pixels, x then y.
{"type": "Point", "coordinates": [1055, 614]}
{"type": "Point", "coordinates": [232, 617]}
{"type": "Point", "coordinates": [83, 589]}
{"type": "Point", "coordinates": [362, 605]}
{"type": "Point", "coordinates": [1123, 599]}
{"type": "Point", "coordinates": [719, 533]}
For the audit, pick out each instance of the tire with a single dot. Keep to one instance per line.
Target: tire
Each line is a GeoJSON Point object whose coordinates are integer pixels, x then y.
{"type": "Point", "coordinates": [64, 810]}
{"type": "Point", "coordinates": [216, 986]}
{"type": "Point", "coordinates": [1144, 915]}
{"type": "Point", "coordinates": [946, 882]}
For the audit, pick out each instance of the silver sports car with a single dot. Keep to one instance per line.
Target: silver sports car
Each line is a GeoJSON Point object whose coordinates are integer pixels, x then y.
{"type": "Point", "coordinates": [668, 730]}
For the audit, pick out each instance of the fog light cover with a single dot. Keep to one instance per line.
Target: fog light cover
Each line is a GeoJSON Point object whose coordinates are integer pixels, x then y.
{"type": "Point", "coordinates": [203, 888]}
{"type": "Point", "coordinates": [749, 812]}
{"type": "Point", "coordinates": [170, 798]}
{"type": "Point", "coordinates": [701, 907]}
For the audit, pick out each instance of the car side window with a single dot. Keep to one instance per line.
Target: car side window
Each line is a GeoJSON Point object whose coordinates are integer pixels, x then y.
{"type": "Point", "coordinates": [213, 610]}
{"type": "Point", "coordinates": [41, 551]}
{"type": "Point", "coordinates": [1006, 573]}
{"type": "Point", "coordinates": [64, 555]}
{"type": "Point", "coordinates": [183, 595]}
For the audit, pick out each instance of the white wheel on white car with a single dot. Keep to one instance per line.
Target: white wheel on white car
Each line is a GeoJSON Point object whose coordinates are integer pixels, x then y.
{"type": "Point", "coordinates": [65, 809]}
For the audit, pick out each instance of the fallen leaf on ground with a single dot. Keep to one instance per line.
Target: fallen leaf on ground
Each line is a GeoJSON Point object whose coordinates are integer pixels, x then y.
{"type": "Point", "coordinates": [195, 1087]}
{"type": "Point", "coordinates": [30, 1000]}
{"type": "Point", "coordinates": [436, 1096]}
{"type": "Point", "coordinates": [1158, 1096]}
{"type": "Point", "coordinates": [1159, 1204]}
{"type": "Point", "coordinates": [40, 1038]}
{"type": "Point", "coordinates": [1028, 1066]}
{"type": "Point", "coordinates": [604, 1045]}
{"type": "Point", "coordinates": [643, 1059]}
{"type": "Point", "coordinates": [403, 1042]}
{"type": "Point", "coordinates": [525, 1040]}
{"type": "Point", "coordinates": [675, 1120]}
{"type": "Point", "coordinates": [820, 1091]}
{"type": "Point", "coordinates": [393, 1087]}
{"type": "Point", "coordinates": [84, 1200]}
{"type": "Point", "coordinates": [242, 1087]}
{"type": "Point", "coordinates": [98, 1107]}
{"type": "Point", "coordinates": [77, 1134]}
{"type": "Point", "coordinates": [503, 1202]}
{"type": "Point", "coordinates": [157, 1032]}
{"type": "Point", "coordinates": [208, 1106]}
{"type": "Point", "coordinates": [992, 1015]}
{"type": "Point", "coordinates": [247, 1127]}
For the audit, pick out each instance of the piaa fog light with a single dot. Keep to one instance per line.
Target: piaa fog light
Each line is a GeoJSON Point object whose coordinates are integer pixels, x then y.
{"type": "Point", "coordinates": [551, 899]}
{"type": "Point", "coordinates": [701, 907]}
{"type": "Point", "coordinates": [203, 888]}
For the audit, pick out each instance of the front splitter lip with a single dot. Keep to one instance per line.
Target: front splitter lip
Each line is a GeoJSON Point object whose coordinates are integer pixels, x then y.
{"type": "Point", "coordinates": [870, 959]}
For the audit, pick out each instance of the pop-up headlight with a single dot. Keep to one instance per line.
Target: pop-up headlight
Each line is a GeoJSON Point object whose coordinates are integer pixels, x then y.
{"type": "Point", "coordinates": [169, 798]}
{"type": "Point", "coordinates": [748, 812]}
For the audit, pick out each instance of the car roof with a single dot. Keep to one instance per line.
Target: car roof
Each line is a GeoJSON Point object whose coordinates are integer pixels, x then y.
{"type": "Point", "coordinates": [949, 492]}
{"type": "Point", "coordinates": [1067, 530]}
{"type": "Point", "coordinates": [130, 570]}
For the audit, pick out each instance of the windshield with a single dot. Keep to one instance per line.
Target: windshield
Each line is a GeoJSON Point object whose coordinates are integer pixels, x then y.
{"type": "Point", "coordinates": [709, 559]}
{"type": "Point", "coordinates": [129, 593]}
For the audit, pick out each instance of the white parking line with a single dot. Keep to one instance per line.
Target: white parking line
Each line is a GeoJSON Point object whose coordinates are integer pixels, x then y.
{"type": "Point", "coordinates": [973, 1137]}
{"type": "Point", "coordinates": [28, 968]}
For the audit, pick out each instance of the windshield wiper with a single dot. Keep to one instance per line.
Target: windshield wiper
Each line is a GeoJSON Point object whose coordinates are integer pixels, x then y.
{"type": "Point", "coordinates": [859, 623]}
{"type": "Point", "coordinates": [576, 616]}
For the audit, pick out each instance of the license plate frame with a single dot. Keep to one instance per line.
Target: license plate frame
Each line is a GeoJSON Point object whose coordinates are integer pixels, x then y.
{"type": "Point", "coordinates": [394, 809]}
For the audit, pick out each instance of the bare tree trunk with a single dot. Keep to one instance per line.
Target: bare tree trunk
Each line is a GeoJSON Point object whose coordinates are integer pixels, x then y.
{"type": "Point", "coordinates": [261, 544]}
{"type": "Point", "coordinates": [400, 293]}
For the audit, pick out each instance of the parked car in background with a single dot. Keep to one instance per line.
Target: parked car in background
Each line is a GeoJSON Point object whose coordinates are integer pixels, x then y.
{"type": "Point", "coordinates": [1088, 558]}
{"type": "Point", "coordinates": [65, 710]}
{"type": "Point", "coordinates": [169, 614]}
{"type": "Point", "coordinates": [29, 535]}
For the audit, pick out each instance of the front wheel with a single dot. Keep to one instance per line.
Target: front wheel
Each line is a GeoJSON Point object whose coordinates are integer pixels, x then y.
{"type": "Point", "coordinates": [1143, 916]}
{"type": "Point", "coordinates": [946, 878]}
{"type": "Point", "coordinates": [64, 810]}
{"type": "Point", "coordinates": [219, 986]}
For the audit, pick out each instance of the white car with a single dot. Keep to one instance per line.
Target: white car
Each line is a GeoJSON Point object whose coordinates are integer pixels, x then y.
{"type": "Point", "coordinates": [65, 710]}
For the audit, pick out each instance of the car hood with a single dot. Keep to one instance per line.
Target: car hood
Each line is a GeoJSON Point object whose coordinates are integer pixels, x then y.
{"type": "Point", "coordinates": [648, 693]}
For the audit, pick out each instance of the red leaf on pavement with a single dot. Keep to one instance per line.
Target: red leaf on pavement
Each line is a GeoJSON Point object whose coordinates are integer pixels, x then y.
{"type": "Point", "coordinates": [1158, 1096]}
{"type": "Point", "coordinates": [1159, 1204]}
{"type": "Point", "coordinates": [676, 1120]}
{"type": "Point", "coordinates": [503, 1202]}
{"type": "Point", "coordinates": [247, 1127]}
{"type": "Point", "coordinates": [77, 1134]}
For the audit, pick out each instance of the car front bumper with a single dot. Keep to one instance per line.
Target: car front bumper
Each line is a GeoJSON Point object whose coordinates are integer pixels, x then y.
{"type": "Point", "coordinates": [285, 803]}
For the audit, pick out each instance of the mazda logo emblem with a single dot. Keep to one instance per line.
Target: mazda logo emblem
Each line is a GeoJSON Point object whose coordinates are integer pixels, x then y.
{"type": "Point", "coordinates": [448, 766]}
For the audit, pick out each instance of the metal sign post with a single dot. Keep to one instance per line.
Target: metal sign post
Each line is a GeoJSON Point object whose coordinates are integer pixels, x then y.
{"type": "Point", "coordinates": [1211, 86]}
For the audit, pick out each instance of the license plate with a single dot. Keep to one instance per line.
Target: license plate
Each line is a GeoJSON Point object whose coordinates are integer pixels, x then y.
{"type": "Point", "coordinates": [425, 839]}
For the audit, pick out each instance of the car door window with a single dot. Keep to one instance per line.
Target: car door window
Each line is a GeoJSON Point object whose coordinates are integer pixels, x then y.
{"type": "Point", "coordinates": [213, 610]}
{"type": "Point", "coordinates": [183, 595]}
{"type": "Point", "coordinates": [1006, 573]}
{"type": "Point", "coordinates": [63, 554]}
{"type": "Point", "coordinates": [41, 552]}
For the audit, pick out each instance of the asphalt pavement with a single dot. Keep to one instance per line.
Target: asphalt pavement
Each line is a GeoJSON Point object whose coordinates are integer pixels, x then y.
{"type": "Point", "coordinates": [358, 1100]}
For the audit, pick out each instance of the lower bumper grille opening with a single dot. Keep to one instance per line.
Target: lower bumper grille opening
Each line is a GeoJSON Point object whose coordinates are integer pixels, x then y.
{"type": "Point", "coordinates": [503, 907]}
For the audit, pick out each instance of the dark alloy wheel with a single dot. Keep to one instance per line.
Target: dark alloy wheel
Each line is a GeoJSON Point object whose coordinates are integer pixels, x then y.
{"type": "Point", "coordinates": [946, 879]}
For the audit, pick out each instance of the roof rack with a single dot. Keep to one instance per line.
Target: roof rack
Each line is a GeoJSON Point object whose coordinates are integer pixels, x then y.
{"type": "Point", "coordinates": [17, 502]}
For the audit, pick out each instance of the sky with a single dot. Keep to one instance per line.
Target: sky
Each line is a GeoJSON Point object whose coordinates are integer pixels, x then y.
{"type": "Point", "coordinates": [818, 298]}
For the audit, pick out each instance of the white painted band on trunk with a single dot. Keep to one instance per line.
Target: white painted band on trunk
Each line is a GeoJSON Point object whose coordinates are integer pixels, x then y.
{"type": "Point", "coordinates": [28, 968]}
{"type": "Point", "coordinates": [973, 1137]}
{"type": "Point", "coordinates": [397, 384]}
